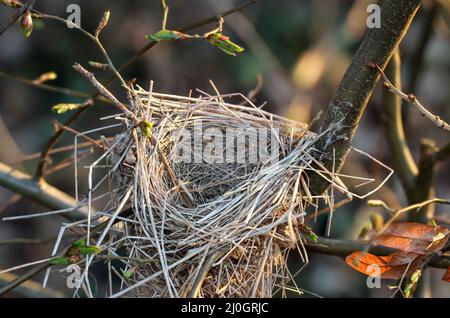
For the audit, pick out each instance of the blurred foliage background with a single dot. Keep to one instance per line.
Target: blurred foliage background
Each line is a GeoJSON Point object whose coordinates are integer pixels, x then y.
{"type": "Point", "coordinates": [299, 48]}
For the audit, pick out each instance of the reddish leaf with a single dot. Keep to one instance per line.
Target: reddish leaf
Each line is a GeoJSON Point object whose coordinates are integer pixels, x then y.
{"type": "Point", "coordinates": [416, 230]}
{"type": "Point", "coordinates": [390, 267]}
{"type": "Point", "coordinates": [414, 237]}
{"type": "Point", "coordinates": [447, 275]}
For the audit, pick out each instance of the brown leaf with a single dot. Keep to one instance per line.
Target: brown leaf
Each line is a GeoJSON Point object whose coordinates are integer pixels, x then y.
{"type": "Point", "coordinates": [447, 275]}
{"type": "Point", "coordinates": [414, 237]}
{"type": "Point", "coordinates": [391, 267]}
{"type": "Point", "coordinates": [416, 230]}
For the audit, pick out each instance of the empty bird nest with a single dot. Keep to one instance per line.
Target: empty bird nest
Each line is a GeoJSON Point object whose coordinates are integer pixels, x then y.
{"type": "Point", "coordinates": [206, 198]}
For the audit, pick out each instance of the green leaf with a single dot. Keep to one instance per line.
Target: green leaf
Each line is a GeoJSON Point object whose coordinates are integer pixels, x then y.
{"type": "Point", "coordinates": [79, 243]}
{"type": "Point", "coordinates": [166, 35]}
{"type": "Point", "coordinates": [128, 274]}
{"type": "Point", "coordinates": [89, 250]}
{"type": "Point", "coordinates": [413, 280]}
{"type": "Point", "coordinates": [224, 43]}
{"type": "Point", "coordinates": [146, 128]}
{"type": "Point", "coordinates": [64, 108]}
{"type": "Point", "coordinates": [313, 236]}
{"type": "Point", "coordinates": [59, 260]}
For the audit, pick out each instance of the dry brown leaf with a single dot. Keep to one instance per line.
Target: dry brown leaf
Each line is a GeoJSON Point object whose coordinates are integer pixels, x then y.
{"type": "Point", "coordinates": [416, 230]}
{"type": "Point", "coordinates": [391, 267]}
{"type": "Point", "coordinates": [414, 237]}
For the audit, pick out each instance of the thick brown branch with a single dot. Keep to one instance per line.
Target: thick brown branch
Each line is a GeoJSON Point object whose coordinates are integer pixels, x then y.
{"type": "Point", "coordinates": [345, 110]}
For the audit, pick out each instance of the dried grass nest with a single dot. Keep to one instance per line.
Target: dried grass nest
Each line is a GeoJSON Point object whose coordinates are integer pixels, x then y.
{"type": "Point", "coordinates": [204, 229]}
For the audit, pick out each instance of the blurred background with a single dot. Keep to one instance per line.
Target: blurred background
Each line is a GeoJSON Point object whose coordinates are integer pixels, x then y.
{"type": "Point", "coordinates": [296, 53]}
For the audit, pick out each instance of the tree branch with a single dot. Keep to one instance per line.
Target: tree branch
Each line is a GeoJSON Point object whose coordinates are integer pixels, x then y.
{"type": "Point", "coordinates": [30, 289]}
{"type": "Point", "coordinates": [345, 110]}
{"type": "Point", "coordinates": [42, 193]}
{"type": "Point", "coordinates": [403, 161]}
{"type": "Point", "coordinates": [343, 248]}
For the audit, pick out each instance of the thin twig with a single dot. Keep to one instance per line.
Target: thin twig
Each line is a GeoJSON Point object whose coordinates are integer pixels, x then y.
{"type": "Point", "coordinates": [102, 89]}
{"type": "Point", "coordinates": [55, 137]}
{"type": "Point", "coordinates": [51, 88]}
{"type": "Point", "coordinates": [94, 142]}
{"type": "Point", "coordinates": [439, 122]}
{"type": "Point", "coordinates": [165, 14]}
{"type": "Point", "coordinates": [255, 91]}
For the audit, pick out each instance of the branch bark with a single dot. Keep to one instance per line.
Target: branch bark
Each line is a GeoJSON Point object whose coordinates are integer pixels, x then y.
{"type": "Point", "coordinates": [350, 100]}
{"type": "Point", "coordinates": [42, 192]}
{"type": "Point", "coordinates": [343, 248]}
{"type": "Point", "coordinates": [30, 289]}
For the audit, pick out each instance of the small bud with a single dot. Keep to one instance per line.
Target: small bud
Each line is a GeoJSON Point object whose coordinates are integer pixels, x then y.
{"type": "Point", "coordinates": [103, 23]}
{"type": "Point", "coordinates": [412, 98]}
{"type": "Point", "coordinates": [146, 128]}
{"type": "Point", "coordinates": [375, 203]}
{"type": "Point", "coordinates": [49, 76]}
{"type": "Point", "coordinates": [12, 3]}
{"type": "Point", "coordinates": [372, 66]}
{"type": "Point", "coordinates": [63, 108]}
{"type": "Point", "coordinates": [377, 221]}
{"type": "Point", "coordinates": [132, 81]}
{"type": "Point", "coordinates": [37, 16]}
{"type": "Point", "coordinates": [26, 23]}
{"type": "Point", "coordinates": [98, 65]}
